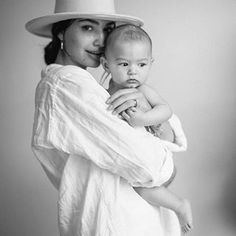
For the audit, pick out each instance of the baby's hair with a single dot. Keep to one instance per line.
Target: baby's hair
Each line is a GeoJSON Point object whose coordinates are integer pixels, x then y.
{"type": "Point", "coordinates": [127, 32]}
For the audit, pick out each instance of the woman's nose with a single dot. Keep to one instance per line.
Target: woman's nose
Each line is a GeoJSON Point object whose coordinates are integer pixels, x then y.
{"type": "Point", "coordinates": [99, 41]}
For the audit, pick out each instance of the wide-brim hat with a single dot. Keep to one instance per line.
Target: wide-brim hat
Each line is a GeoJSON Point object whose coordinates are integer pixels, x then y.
{"type": "Point", "coordinates": [78, 9]}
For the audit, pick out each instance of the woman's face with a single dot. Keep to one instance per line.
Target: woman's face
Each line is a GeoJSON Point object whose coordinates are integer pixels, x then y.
{"type": "Point", "coordinates": [84, 42]}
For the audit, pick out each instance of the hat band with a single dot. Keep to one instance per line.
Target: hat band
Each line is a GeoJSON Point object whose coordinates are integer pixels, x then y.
{"type": "Point", "coordinates": [83, 7]}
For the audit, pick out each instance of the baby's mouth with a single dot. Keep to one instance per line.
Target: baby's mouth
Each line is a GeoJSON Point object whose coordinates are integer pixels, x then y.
{"type": "Point", "coordinates": [132, 81]}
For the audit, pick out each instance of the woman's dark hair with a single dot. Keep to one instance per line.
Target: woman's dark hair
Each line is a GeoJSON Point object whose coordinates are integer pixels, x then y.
{"type": "Point", "coordinates": [52, 49]}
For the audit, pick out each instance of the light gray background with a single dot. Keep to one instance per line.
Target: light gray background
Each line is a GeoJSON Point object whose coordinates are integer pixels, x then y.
{"type": "Point", "coordinates": [194, 69]}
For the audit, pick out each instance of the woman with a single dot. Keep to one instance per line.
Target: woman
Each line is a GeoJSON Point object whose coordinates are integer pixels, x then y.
{"type": "Point", "coordinates": [91, 156]}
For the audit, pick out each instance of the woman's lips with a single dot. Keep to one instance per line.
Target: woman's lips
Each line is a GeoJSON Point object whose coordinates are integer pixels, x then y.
{"type": "Point", "coordinates": [95, 53]}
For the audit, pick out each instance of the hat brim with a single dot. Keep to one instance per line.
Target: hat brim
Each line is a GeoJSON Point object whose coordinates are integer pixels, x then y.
{"type": "Point", "coordinates": [41, 26]}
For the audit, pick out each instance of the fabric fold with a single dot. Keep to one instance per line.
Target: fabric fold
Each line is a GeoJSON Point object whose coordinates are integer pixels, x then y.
{"type": "Point", "coordinates": [93, 158]}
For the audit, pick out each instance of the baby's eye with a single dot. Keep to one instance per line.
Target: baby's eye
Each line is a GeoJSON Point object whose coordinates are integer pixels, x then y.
{"type": "Point", "coordinates": [142, 64]}
{"type": "Point", "coordinates": [87, 27]}
{"type": "Point", "coordinates": [123, 64]}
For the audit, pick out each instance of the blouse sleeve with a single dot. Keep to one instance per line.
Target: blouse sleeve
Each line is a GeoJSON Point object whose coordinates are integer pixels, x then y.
{"type": "Point", "coordinates": [80, 124]}
{"type": "Point", "coordinates": [180, 140]}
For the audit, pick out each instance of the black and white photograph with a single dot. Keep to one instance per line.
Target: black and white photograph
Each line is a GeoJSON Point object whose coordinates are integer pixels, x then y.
{"type": "Point", "coordinates": [117, 118]}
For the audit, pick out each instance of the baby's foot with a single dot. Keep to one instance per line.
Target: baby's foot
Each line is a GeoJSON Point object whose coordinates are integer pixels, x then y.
{"type": "Point", "coordinates": [184, 213]}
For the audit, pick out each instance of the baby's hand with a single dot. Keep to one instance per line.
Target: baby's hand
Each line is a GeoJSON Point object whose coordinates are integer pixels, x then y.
{"type": "Point", "coordinates": [134, 116]}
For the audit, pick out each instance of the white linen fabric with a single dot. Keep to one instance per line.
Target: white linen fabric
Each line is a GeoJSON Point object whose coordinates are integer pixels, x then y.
{"type": "Point", "coordinates": [93, 158]}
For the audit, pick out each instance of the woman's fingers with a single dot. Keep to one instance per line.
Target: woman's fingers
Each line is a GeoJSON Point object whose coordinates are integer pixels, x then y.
{"type": "Point", "coordinates": [125, 115]}
{"type": "Point", "coordinates": [121, 93]}
{"type": "Point", "coordinates": [123, 107]}
{"type": "Point", "coordinates": [127, 99]}
{"type": "Point", "coordinates": [131, 111]}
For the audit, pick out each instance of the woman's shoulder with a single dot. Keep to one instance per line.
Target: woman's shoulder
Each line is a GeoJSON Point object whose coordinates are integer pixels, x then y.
{"type": "Point", "coordinates": [68, 75]}
{"type": "Point", "coordinates": [62, 72]}
{"type": "Point", "coordinates": [69, 78]}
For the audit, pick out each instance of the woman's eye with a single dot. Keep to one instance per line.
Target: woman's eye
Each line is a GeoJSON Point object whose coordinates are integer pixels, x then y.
{"type": "Point", "coordinates": [87, 27]}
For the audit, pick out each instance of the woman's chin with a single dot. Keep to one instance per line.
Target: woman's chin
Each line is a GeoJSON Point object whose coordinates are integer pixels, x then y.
{"type": "Point", "coordinates": [94, 64]}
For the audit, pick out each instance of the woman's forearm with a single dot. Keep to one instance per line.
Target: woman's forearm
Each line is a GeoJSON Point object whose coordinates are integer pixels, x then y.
{"type": "Point", "coordinates": [91, 131]}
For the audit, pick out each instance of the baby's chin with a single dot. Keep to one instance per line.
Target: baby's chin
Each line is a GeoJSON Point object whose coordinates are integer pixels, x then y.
{"type": "Point", "coordinates": [132, 86]}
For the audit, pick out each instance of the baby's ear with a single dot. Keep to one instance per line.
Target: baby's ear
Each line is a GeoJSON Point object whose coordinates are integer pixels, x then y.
{"type": "Point", "coordinates": [104, 63]}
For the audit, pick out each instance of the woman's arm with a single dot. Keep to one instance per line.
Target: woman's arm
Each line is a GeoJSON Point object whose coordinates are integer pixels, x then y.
{"type": "Point", "coordinates": [126, 98]}
{"type": "Point", "coordinates": [77, 122]}
{"type": "Point", "coordinates": [172, 131]}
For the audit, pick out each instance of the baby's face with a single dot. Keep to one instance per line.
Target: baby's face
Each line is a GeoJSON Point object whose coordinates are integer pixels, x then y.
{"type": "Point", "coordinates": [129, 62]}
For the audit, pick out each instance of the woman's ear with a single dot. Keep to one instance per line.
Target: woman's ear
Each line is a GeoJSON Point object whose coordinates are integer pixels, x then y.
{"type": "Point", "coordinates": [60, 36]}
{"type": "Point", "coordinates": [104, 63]}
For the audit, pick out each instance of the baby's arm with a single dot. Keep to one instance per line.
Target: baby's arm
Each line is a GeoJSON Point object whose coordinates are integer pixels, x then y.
{"type": "Point", "coordinates": [160, 111]}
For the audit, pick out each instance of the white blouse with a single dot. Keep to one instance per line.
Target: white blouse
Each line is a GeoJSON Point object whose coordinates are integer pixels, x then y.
{"type": "Point", "coordinates": [93, 158]}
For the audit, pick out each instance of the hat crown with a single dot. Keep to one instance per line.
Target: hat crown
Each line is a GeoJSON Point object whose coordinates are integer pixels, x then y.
{"type": "Point", "coordinates": [78, 9]}
{"type": "Point", "coordinates": [85, 6]}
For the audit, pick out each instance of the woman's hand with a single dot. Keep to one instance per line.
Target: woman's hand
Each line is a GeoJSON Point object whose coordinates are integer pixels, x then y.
{"type": "Point", "coordinates": [134, 116]}
{"type": "Point", "coordinates": [124, 99]}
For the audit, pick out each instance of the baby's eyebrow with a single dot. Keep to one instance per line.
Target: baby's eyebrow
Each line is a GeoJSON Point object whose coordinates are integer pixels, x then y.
{"type": "Point", "coordinates": [121, 59]}
{"type": "Point", "coordinates": [124, 59]}
{"type": "Point", "coordinates": [142, 59]}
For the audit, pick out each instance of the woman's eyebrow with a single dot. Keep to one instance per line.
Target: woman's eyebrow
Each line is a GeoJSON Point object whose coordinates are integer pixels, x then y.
{"type": "Point", "coordinates": [89, 20]}
{"type": "Point", "coordinates": [96, 22]}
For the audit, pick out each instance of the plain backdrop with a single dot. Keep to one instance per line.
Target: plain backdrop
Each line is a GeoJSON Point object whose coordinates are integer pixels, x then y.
{"type": "Point", "coordinates": [194, 70]}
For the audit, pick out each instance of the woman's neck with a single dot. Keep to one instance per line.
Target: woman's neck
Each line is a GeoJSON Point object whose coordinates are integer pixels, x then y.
{"type": "Point", "coordinates": [64, 59]}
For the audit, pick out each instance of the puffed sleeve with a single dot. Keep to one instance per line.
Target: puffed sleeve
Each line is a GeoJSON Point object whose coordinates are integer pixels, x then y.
{"type": "Point", "coordinates": [79, 124]}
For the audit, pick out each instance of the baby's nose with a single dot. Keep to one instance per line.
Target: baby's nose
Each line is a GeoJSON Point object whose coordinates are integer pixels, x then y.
{"type": "Point", "coordinates": [132, 70]}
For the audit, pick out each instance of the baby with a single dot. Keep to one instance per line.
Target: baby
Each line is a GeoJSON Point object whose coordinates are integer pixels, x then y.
{"type": "Point", "coordinates": [128, 58]}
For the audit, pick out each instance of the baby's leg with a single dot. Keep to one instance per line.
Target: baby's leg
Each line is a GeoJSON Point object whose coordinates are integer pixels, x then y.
{"type": "Point", "coordinates": [161, 196]}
